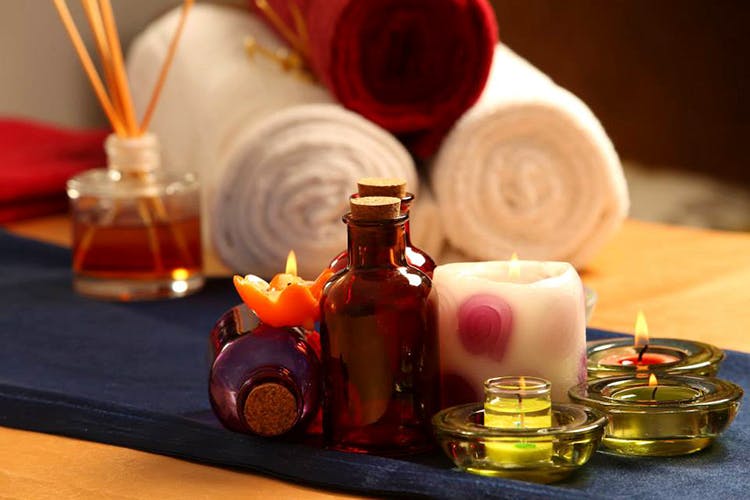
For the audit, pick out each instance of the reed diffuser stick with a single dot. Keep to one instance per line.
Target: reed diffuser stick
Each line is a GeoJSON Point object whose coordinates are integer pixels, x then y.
{"type": "Point", "coordinates": [165, 67]}
{"type": "Point", "coordinates": [153, 238]}
{"type": "Point", "coordinates": [159, 208]}
{"type": "Point", "coordinates": [118, 67]}
{"type": "Point", "coordinates": [91, 8]}
{"type": "Point", "coordinates": [301, 27]}
{"type": "Point", "coordinates": [88, 66]}
{"type": "Point", "coordinates": [290, 36]}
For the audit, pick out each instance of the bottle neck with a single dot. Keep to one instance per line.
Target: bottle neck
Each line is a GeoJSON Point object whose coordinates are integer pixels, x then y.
{"type": "Point", "coordinates": [376, 243]}
{"type": "Point", "coordinates": [405, 205]}
{"type": "Point", "coordinates": [133, 155]}
{"type": "Point", "coordinates": [406, 202]}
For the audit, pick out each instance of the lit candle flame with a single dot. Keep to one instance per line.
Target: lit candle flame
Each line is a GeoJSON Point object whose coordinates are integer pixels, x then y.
{"type": "Point", "coordinates": [652, 381]}
{"type": "Point", "coordinates": [514, 268]}
{"type": "Point", "coordinates": [291, 263]}
{"type": "Point", "coordinates": [641, 330]}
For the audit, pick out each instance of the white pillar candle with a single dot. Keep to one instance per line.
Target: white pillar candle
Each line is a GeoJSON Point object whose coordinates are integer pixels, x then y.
{"type": "Point", "coordinates": [509, 318]}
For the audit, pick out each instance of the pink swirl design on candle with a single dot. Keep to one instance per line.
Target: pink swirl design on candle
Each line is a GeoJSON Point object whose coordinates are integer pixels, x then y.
{"type": "Point", "coordinates": [485, 324]}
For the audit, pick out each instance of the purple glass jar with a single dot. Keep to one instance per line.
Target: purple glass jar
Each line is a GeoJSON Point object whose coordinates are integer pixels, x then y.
{"type": "Point", "coordinates": [263, 380]}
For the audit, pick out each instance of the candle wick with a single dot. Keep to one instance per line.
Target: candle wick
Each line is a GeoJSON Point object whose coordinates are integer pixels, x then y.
{"type": "Point", "coordinates": [520, 411]}
{"type": "Point", "coordinates": [653, 393]}
{"type": "Point", "coordinates": [642, 352]}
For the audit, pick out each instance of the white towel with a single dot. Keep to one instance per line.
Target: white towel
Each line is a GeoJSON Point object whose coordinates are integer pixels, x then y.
{"type": "Point", "coordinates": [529, 169]}
{"type": "Point", "coordinates": [276, 157]}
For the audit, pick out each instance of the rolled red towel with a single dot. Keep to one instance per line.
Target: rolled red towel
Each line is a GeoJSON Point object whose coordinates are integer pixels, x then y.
{"type": "Point", "coordinates": [36, 160]}
{"type": "Point", "coordinates": [411, 66]}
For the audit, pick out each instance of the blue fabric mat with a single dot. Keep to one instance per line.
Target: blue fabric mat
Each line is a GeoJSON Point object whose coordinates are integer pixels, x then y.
{"type": "Point", "coordinates": [135, 375]}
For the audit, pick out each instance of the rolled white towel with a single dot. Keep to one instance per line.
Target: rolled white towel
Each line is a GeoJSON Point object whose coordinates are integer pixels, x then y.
{"type": "Point", "coordinates": [529, 169]}
{"type": "Point", "coordinates": [276, 157]}
{"type": "Point", "coordinates": [287, 186]}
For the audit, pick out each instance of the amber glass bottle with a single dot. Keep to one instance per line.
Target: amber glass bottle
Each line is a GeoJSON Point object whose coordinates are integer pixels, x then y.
{"type": "Point", "coordinates": [377, 186]}
{"type": "Point", "coordinates": [378, 337]}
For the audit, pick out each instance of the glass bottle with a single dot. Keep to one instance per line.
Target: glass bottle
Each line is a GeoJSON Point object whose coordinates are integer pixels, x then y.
{"type": "Point", "coordinates": [136, 228]}
{"type": "Point", "coordinates": [414, 256]}
{"type": "Point", "coordinates": [263, 380]}
{"type": "Point", "coordinates": [379, 344]}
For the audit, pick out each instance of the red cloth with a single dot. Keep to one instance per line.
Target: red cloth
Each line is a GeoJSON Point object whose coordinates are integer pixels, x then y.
{"type": "Point", "coordinates": [411, 66]}
{"type": "Point", "coordinates": [36, 160]}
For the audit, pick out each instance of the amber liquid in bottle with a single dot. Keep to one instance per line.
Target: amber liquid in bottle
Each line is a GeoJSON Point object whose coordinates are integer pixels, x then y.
{"type": "Point", "coordinates": [134, 246]}
{"type": "Point", "coordinates": [379, 344]}
{"type": "Point", "coordinates": [414, 256]}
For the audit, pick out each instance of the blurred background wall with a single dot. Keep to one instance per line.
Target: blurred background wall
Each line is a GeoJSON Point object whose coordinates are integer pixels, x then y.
{"type": "Point", "coordinates": [669, 79]}
{"type": "Point", "coordinates": [40, 76]}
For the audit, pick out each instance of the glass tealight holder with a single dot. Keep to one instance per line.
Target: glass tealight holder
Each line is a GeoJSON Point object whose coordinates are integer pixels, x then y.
{"type": "Point", "coordinates": [677, 415]}
{"type": "Point", "coordinates": [136, 228]}
{"type": "Point", "coordinates": [619, 357]}
{"type": "Point", "coordinates": [518, 433]}
{"type": "Point", "coordinates": [517, 402]}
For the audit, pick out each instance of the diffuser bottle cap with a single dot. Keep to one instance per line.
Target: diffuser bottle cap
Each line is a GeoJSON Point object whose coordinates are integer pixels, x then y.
{"type": "Point", "coordinates": [374, 208]}
{"type": "Point", "coordinates": [133, 154]}
{"type": "Point", "coordinates": [381, 186]}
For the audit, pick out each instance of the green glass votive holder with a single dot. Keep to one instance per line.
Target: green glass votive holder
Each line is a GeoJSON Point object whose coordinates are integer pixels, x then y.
{"type": "Point", "coordinates": [665, 416]}
{"type": "Point", "coordinates": [517, 433]}
{"type": "Point", "coordinates": [619, 357]}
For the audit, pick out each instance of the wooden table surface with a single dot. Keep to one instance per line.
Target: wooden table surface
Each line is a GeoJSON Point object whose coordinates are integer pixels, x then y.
{"type": "Point", "coordinates": [691, 283]}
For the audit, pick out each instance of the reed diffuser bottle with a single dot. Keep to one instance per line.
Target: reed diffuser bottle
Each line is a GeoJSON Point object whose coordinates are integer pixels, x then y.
{"type": "Point", "coordinates": [378, 339]}
{"type": "Point", "coordinates": [136, 229]}
{"type": "Point", "coordinates": [382, 186]}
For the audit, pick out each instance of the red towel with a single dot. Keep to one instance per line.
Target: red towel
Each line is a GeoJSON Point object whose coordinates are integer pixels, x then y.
{"type": "Point", "coordinates": [411, 66]}
{"type": "Point", "coordinates": [35, 162]}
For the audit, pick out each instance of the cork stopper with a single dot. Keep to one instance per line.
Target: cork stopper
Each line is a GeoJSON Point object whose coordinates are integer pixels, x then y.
{"type": "Point", "coordinates": [270, 409]}
{"type": "Point", "coordinates": [382, 186]}
{"type": "Point", "coordinates": [375, 208]}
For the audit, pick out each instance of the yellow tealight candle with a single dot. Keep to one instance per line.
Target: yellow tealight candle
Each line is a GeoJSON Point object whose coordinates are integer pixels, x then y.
{"type": "Point", "coordinates": [518, 403]}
